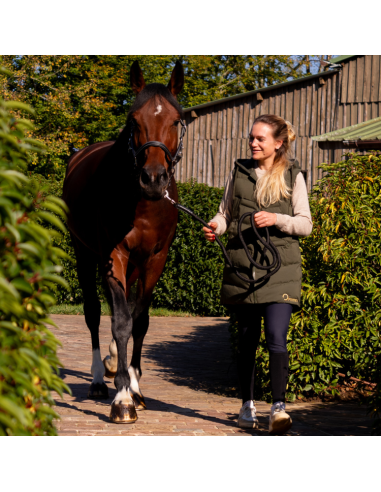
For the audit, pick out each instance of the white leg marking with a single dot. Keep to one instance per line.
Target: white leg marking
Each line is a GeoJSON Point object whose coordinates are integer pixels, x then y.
{"type": "Point", "coordinates": [123, 398]}
{"type": "Point", "coordinates": [97, 369]}
{"type": "Point", "coordinates": [134, 378]}
{"type": "Point", "coordinates": [159, 109]}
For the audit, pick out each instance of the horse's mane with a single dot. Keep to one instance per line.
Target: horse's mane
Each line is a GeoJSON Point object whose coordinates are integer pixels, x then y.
{"type": "Point", "coordinates": [151, 91]}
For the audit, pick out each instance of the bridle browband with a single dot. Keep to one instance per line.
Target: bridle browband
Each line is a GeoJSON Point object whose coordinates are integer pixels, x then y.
{"type": "Point", "coordinates": [174, 160]}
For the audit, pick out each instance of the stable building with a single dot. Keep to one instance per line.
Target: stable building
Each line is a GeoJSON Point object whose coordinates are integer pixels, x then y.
{"type": "Point", "coordinates": [319, 106]}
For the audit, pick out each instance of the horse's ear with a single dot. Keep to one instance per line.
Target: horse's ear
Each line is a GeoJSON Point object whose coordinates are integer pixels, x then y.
{"type": "Point", "coordinates": [176, 83]}
{"type": "Point", "coordinates": [137, 79]}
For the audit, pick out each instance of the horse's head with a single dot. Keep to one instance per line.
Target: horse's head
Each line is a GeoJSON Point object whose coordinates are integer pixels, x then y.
{"type": "Point", "coordinates": [154, 118]}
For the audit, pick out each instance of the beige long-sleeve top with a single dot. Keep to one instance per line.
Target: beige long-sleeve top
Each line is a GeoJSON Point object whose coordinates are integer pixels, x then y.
{"type": "Point", "coordinates": [299, 225]}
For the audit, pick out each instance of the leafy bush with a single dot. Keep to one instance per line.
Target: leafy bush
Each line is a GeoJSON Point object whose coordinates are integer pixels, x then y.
{"type": "Point", "coordinates": [338, 327]}
{"type": "Point", "coordinates": [192, 278]}
{"type": "Point", "coordinates": [28, 275]}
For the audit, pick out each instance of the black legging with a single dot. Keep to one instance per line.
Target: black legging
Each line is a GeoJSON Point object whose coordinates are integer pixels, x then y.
{"type": "Point", "coordinates": [277, 320]}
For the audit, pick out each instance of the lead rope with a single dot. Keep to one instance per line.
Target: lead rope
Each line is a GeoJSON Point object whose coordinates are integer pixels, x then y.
{"type": "Point", "coordinates": [268, 245]}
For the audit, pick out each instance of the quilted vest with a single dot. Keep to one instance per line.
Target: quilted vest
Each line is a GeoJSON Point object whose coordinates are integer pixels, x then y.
{"type": "Point", "coordinates": [285, 286]}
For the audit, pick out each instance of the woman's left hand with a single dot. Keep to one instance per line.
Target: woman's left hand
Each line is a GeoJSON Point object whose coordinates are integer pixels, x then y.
{"type": "Point", "coordinates": [264, 219]}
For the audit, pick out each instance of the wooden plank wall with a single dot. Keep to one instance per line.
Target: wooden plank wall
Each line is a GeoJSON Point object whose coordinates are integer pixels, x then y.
{"type": "Point", "coordinates": [220, 134]}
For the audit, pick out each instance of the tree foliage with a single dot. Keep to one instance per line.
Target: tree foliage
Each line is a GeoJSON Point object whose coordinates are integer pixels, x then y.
{"type": "Point", "coordinates": [29, 268]}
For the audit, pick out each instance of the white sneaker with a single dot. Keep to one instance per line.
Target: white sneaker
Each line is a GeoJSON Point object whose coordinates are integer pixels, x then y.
{"type": "Point", "coordinates": [280, 421]}
{"type": "Point", "coordinates": [248, 416]}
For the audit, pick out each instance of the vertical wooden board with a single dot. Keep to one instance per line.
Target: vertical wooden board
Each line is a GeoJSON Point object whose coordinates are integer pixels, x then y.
{"type": "Point", "coordinates": [220, 121]}
{"type": "Point", "coordinates": [314, 102]}
{"type": "Point", "coordinates": [334, 103]}
{"type": "Point", "coordinates": [245, 149]}
{"type": "Point", "coordinates": [323, 109]}
{"type": "Point", "coordinates": [296, 108]}
{"type": "Point", "coordinates": [302, 111]}
{"type": "Point", "coordinates": [298, 153]}
{"type": "Point", "coordinates": [240, 119]}
{"type": "Point", "coordinates": [379, 78]}
{"type": "Point", "coordinates": [344, 84]}
{"type": "Point", "coordinates": [225, 122]}
{"type": "Point", "coordinates": [190, 153]}
{"type": "Point", "coordinates": [352, 81]}
{"type": "Point", "coordinates": [213, 134]}
{"type": "Point", "coordinates": [229, 121]}
{"type": "Point", "coordinates": [367, 78]}
{"type": "Point", "coordinates": [229, 164]}
{"type": "Point", "coordinates": [205, 162]}
{"type": "Point", "coordinates": [277, 98]}
{"type": "Point", "coordinates": [283, 105]}
{"type": "Point", "coordinates": [200, 162]}
{"type": "Point", "coordinates": [195, 160]}
{"type": "Point", "coordinates": [271, 98]}
{"type": "Point", "coordinates": [196, 126]}
{"type": "Point", "coordinates": [235, 119]}
{"type": "Point", "coordinates": [354, 114]}
{"type": "Point", "coordinates": [374, 83]}
{"type": "Point", "coordinates": [246, 118]}
{"type": "Point", "coordinates": [234, 151]}
{"type": "Point", "coordinates": [202, 131]}
{"type": "Point", "coordinates": [310, 158]}
{"type": "Point", "coordinates": [315, 151]}
{"type": "Point", "coordinates": [253, 103]}
{"type": "Point", "coordinates": [289, 105]}
{"type": "Point", "coordinates": [210, 163]}
{"type": "Point", "coordinates": [360, 79]}
{"type": "Point", "coordinates": [216, 167]}
{"type": "Point", "coordinates": [308, 109]}
{"type": "Point", "coordinates": [343, 121]}
{"type": "Point", "coordinates": [222, 166]}
{"type": "Point", "coordinates": [208, 129]}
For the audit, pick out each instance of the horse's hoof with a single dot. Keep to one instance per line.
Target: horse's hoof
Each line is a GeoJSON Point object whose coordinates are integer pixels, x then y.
{"type": "Point", "coordinates": [139, 402]}
{"type": "Point", "coordinates": [98, 392]}
{"type": "Point", "coordinates": [123, 414]}
{"type": "Point", "coordinates": [109, 374]}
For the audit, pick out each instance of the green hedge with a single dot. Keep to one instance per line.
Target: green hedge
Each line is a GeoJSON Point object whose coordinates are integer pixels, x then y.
{"type": "Point", "coordinates": [338, 327]}
{"type": "Point", "coordinates": [192, 278]}
{"type": "Point", "coordinates": [29, 268]}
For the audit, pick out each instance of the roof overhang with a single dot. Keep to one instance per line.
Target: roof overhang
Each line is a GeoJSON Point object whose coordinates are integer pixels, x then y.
{"type": "Point", "coordinates": [369, 131]}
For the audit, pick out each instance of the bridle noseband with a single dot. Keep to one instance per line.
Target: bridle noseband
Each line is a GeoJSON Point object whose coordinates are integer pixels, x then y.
{"type": "Point", "coordinates": [174, 160]}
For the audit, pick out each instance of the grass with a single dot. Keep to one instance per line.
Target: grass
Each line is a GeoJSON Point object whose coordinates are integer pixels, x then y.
{"type": "Point", "coordinates": [67, 309]}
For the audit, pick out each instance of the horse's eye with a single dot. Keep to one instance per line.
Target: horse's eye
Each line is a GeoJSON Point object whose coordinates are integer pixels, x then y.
{"type": "Point", "coordinates": [176, 123]}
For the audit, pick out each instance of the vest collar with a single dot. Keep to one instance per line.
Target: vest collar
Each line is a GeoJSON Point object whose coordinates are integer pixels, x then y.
{"type": "Point", "coordinates": [247, 166]}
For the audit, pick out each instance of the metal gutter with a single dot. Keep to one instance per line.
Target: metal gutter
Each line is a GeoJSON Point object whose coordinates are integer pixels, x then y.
{"type": "Point", "coordinates": [265, 89]}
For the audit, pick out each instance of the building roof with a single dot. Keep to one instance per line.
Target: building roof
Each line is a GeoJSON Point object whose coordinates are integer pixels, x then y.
{"type": "Point", "coordinates": [341, 58]}
{"type": "Point", "coordinates": [265, 89]}
{"type": "Point", "coordinates": [368, 131]}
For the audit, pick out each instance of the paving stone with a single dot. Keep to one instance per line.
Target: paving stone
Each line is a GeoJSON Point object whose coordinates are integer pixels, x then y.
{"type": "Point", "coordinates": [187, 379]}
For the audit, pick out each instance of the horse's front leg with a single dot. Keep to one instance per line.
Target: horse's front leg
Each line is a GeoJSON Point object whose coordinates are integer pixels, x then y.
{"type": "Point", "coordinates": [123, 408]}
{"type": "Point", "coordinates": [149, 277]}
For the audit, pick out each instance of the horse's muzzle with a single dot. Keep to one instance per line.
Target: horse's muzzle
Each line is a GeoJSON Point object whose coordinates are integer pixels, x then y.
{"type": "Point", "coordinates": [154, 182]}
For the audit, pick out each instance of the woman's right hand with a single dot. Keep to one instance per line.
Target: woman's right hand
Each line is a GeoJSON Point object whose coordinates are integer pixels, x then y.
{"type": "Point", "coordinates": [209, 235]}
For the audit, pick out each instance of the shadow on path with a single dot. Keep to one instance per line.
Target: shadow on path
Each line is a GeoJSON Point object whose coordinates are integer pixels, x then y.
{"type": "Point", "coordinates": [201, 360]}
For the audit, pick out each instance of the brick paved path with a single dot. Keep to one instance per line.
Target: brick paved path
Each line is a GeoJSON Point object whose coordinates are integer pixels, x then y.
{"type": "Point", "coordinates": [186, 384]}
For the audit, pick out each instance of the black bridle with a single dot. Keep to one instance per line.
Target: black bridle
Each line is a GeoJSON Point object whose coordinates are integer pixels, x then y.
{"type": "Point", "coordinates": [174, 160]}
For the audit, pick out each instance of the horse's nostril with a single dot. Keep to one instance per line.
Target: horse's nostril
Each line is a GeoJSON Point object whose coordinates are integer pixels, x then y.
{"type": "Point", "coordinates": [162, 175]}
{"type": "Point", "coordinates": [145, 177]}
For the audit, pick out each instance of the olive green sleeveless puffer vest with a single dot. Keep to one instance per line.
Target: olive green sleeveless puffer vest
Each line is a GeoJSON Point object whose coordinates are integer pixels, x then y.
{"type": "Point", "coordinates": [285, 286]}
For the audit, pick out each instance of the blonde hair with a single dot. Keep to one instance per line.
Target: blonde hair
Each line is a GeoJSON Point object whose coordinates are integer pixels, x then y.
{"type": "Point", "coordinates": [272, 187]}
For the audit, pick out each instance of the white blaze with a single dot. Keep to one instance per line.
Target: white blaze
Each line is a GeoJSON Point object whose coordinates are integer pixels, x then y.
{"type": "Point", "coordinates": [159, 109]}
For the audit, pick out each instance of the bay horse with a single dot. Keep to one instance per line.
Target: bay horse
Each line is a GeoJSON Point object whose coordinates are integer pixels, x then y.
{"type": "Point", "coordinates": [120, 222]}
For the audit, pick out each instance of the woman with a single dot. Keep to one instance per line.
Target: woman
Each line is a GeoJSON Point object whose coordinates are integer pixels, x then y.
{"type": "Point", "coordinates": [274, 185]}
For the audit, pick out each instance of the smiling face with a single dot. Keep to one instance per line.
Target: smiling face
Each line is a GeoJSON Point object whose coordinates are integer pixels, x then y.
{"type": "Point", "coordinates": [262, 143]}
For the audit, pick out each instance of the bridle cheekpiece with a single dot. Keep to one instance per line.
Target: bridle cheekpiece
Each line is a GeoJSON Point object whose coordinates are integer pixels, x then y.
{"type": "Point", "coordinates": [174, 160]}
